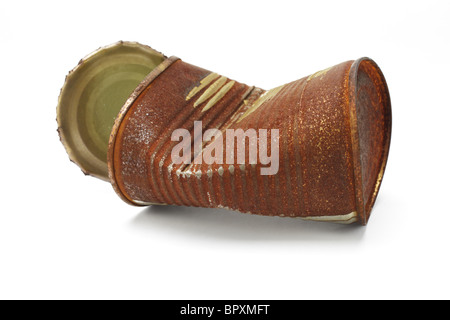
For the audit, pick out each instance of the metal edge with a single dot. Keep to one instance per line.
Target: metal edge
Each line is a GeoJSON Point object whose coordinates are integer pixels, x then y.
{"type": "Point", "coordinates": [123, 111]}
{"type": "Point", "coordinates": [72, 156]}
{"type": "Point", "coordinates": [363, 214]}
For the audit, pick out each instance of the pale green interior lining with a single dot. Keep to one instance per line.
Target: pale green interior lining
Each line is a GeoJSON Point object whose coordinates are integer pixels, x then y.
{"type": "Point", "coordinates": [92, 97]}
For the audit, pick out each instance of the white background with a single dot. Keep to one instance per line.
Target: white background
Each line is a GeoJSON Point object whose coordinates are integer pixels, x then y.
{"type": "Point", "coordinates": [64, 235]}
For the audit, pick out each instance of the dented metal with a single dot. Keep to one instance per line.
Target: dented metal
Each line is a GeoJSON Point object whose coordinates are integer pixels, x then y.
{"type": "Point", "coordinates": [333, 138]}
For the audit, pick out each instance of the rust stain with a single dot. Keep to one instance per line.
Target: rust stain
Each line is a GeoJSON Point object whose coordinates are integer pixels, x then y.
{"type": "Point", "coordinates": [334, 135]}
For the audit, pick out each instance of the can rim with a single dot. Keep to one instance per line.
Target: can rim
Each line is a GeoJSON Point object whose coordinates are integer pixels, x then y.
{"type": "Point", "coordinates": [117, 124]}
{"type": "Point", "coordinates": [69, 105]}
{"type": "Point", "coordinates": [364, 205]}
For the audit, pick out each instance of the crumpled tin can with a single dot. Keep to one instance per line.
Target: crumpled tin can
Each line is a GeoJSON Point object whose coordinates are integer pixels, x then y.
{"type": "Point", "coordinates": [326, 135]}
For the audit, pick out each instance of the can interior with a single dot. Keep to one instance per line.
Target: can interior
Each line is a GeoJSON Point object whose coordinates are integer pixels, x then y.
{"type": "Point", "coordinates": [92, 96]}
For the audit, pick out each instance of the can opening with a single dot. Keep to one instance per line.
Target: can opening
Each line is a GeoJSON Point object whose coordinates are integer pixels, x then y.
{"type": "Point", "coordinates": [92, 96]}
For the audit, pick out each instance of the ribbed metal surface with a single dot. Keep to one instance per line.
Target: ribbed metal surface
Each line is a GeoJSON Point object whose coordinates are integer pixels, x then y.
{"type": "Point", "coordinates": [315, 179]}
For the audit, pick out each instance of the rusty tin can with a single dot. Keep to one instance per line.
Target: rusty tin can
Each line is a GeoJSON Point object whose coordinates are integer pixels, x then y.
{"type": "Point", "coordinates": [120, 106]}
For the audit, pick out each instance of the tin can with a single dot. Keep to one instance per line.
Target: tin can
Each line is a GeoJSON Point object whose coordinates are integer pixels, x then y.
{"type": "Point", "coordinates": [321, 142]}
